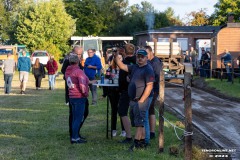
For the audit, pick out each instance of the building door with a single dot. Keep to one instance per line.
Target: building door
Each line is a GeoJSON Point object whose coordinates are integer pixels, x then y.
{"type": "Point", "coordinates": [183, 42]}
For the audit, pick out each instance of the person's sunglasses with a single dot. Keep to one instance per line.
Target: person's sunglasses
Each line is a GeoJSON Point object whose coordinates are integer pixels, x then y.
{"type": "Point", "coordinates": [140, 56]}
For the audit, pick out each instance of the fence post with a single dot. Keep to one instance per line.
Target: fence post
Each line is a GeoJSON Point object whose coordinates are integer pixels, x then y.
{"type": "Point", "coordinates": [232, 71]}
{"type": "Point", "coordinates": [188, 115]}
{"type": "Point", "coordinates": [161, 112]}
{"type": "Point", "coordinates": [221, 71]}
{"type": "Point", "coordinates": [211, 61]}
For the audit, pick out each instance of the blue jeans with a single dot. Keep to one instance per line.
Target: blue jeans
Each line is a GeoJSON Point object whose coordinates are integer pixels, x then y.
{"type": "Point", "coordinates": [8, 83]}
{"type": "Point", "coordinates": [78, 107]}
{"type": "Point", "coordinates": [51, 80]}
{"type": "Point", "coordinates": [146, 124]}
{"type": "Point", "coordinates": [229, 74]}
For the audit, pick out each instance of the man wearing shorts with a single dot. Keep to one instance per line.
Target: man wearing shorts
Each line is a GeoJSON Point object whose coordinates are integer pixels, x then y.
{"type": "Point", "coordinates": [24, 66]}
{"type": "Point", "coordinates": [139, 89]}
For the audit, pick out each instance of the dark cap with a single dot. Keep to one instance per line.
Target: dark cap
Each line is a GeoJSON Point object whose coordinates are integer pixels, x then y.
{"type": "Point", "coordinates": [142, 52]}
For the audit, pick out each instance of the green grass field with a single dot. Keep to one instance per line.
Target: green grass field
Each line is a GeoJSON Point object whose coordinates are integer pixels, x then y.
{"type": "Point", "coordinates": [35, 126]}
{"type": "Point", "coordinates": [226, 87]}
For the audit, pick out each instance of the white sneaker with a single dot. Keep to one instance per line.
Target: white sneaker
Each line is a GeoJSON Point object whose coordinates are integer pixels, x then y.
{"type": "Point", "coordinates": [123, 134]}
{"type": "Point", "coordinates": [114, 133]}
{"type": "Point", "coordinates": [67, 103]}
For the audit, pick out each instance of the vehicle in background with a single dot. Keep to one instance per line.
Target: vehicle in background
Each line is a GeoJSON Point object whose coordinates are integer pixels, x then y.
{"type": "Point", "coordinates": [4, 50]}
{"type": "Point", "coordinates": [20, 48]}
{"type": "Point", "coordinates": [202, 43]}
{"type": "Point", "coordinates": [96, 43]}
{"type": "Point", "coordinates": [42, 55]}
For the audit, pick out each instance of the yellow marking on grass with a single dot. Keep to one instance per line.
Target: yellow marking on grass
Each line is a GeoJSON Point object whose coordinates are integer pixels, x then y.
{"type": "Point", "coordinates": [17, 122]}
{"type": "Point", "coordinates": [10, 136]}
{"type": "Point", "coordinates": [17, 109]}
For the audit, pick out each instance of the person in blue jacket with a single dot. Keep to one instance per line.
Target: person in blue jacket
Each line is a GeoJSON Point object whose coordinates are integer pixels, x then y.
{"type": "Point", "coordinates": [227, 60]}
{"type": "Point", "coordinates": [24, 66]}
{"type": "Point", "coordinates": [92, 66]}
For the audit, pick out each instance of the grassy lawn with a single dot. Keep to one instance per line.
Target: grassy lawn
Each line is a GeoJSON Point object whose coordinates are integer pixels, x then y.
{"type": "Point", "coordinates": [226, 87]}
{"type": "Point", "coordinates": [35, 126]}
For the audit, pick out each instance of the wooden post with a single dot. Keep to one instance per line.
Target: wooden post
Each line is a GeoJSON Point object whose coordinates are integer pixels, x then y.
{"type": "Point", "coordinates": [171, 47]}
{"type": "Point", "coordinates": [221, 74]}
{"type": "Point", "coordinates": [161, 112]}
{"type": "Point", "coordinates": [155, 45]}
{"type": "Point", "coordinates": [232, 69]}
{"type": "Point", "coordinates": [211, 67]}
{"type": "Point", "coordinates": [188, 115]}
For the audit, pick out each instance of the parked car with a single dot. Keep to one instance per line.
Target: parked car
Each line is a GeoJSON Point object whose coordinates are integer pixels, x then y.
{"type": "Point", "coordinates": [42, 55]}
{"type": "Point", "coordinates": [4, 50]}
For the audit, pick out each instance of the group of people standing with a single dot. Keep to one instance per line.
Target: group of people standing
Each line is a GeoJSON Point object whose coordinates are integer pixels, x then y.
{"type": "Point", "coordinates": [200, 67]}
{"type": "Point", "coordinates": [24, 67]}
{"type": "Point", "coordinates": [137, 92]}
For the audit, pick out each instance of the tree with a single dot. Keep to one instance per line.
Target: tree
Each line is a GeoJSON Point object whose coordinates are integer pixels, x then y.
{"type": "Point", "coordinates": [89, 20]}
{"type": "Point", "coordinates": [45, 25]}
{"type": "Point", "coordinates": [222, 8]}
{"type": "Point", "coordinates": [197, 18]}
{"type": "Point", "coordinates": [173, 19]}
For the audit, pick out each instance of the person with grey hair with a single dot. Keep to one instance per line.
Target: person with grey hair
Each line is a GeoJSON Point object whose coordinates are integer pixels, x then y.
{"type": "Point", "coordinates": [92, 66]}
{"type": "Point", "coordinates": [77, 83]}
{"type": "Point", "coordinates": [77, 50]}
{"type": "Point", "coordinates": [8, 69]}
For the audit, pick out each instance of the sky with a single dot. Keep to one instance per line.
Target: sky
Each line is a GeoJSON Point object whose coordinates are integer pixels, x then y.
{"type": "Point", "coordinates": [180, 7]}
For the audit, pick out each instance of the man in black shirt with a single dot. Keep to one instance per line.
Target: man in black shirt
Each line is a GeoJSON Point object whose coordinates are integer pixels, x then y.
{"type": "Point", "coordinates": [157, 67]}
{"type": "Point", "coordinates": [139, 89]}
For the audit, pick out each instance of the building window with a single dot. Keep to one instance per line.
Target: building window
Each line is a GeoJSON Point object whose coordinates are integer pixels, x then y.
{"type": "Point", "coordinates": [163, 39]}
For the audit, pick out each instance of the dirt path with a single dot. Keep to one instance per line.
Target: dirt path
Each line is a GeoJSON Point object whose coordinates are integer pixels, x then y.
{"type": "Point", "coordinates": [217, 118]}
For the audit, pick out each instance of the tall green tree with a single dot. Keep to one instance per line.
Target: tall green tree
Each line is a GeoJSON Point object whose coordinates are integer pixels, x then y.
{"type": "Point", "coordinates": [45, 25]}
{"type": "Point", "coordinates": [86, 12]}
{"type": "Point", "coordinates": [2, 22]}
{"type": "Point", "coordinates": [174, 20]}
{"type": "Point", "coordinates": [222, 8]}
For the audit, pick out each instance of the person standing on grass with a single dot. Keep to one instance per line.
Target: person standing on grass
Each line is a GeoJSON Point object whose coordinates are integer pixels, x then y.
{"type": "Point", "coordinates": [139, 89]}
{"type": "Point", "coordinates": [38, 72]}
{"type": "Point", "coordinates": [8, 69]}
{"type": "Point", "coordinates": [157, 68]}
{"type": "Point", "coordinates": [77, 50]}
{"type": "Point", "coordinates": [77, 83]}
{"type": "Point", "coordinates": [123, 105]}
{"type": "Point", "coordinates": [24, 66]}
{"type": "Point", "coordinates": [92, 66]}
{"type": "Point", "coordinates": [52, 68]}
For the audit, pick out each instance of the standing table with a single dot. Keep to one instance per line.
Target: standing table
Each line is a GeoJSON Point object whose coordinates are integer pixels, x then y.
{"type": "Point", "coordinates": [106, 84]}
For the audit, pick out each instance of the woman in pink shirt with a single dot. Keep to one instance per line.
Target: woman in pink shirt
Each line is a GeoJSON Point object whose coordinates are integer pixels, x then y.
{"type": "Point", "coordinates": [77, 83]}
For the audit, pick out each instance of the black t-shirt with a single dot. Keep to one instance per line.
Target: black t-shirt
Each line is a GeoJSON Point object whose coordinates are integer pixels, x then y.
{"type": "Point", "coordinates": [122, 81]}
{"type": "Point", "coordinates": [187, 59]}
{"type": "Point", "coordinates": [139, 78]}
{"type": "Point", "coordinates": [157, 67]}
